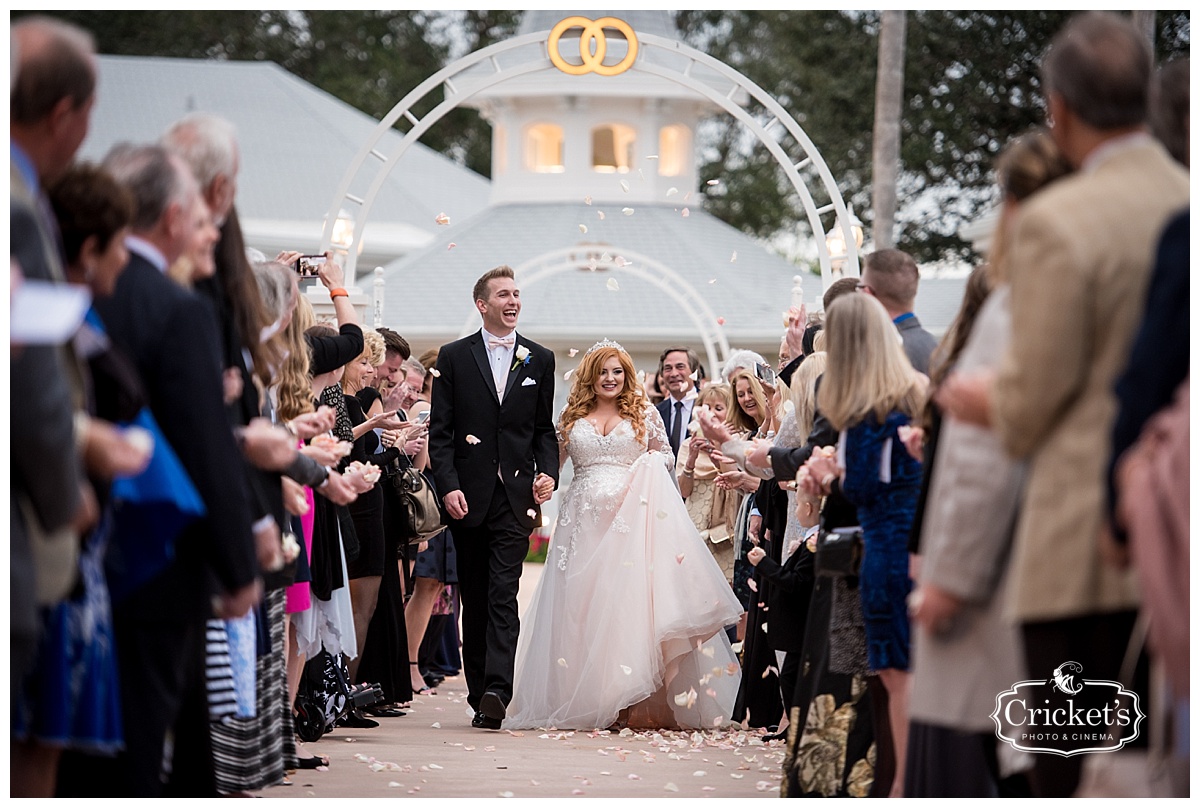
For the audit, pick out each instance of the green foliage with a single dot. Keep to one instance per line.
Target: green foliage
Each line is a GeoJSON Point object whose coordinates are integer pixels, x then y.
{"type": "Point", "coordinates": [971, 84]}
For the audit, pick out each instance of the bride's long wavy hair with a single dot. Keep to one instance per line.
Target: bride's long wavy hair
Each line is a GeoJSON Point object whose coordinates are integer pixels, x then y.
{"type": "Point", "coordinates": [631, 402]}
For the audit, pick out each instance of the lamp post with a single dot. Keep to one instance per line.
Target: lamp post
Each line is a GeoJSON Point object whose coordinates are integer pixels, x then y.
{"type": "Point", "coordinates": [835, 241]}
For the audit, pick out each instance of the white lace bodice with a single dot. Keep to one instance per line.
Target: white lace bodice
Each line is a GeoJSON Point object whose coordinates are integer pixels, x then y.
{"type": "Point", "coordinates": [601, 468]}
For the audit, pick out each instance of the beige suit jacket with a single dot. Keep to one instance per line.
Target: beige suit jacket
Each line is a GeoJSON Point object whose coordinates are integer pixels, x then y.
{"type": "Point", "coordinates": [1080, 256]}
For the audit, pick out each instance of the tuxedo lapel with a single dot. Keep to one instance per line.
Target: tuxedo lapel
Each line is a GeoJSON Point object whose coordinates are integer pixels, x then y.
{"type": "Point", "coordinates": [514, 370]}
{"type": "Point", "coordinates": [481, 358]}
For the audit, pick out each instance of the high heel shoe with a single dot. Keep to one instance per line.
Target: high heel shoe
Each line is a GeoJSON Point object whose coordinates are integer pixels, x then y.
{"type": "Point", "coordinates": [428, 689]}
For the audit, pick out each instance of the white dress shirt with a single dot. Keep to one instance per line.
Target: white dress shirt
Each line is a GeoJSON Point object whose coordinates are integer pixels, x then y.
{"type": "Point", "coordinates": [500, 357]}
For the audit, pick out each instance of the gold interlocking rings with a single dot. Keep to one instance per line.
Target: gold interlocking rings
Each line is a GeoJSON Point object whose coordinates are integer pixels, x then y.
{"type": "Point", "coordinates": [593, 31]}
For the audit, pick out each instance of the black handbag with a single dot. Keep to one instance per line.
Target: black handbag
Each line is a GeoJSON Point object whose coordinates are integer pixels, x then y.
{"type": "Point", "coordinates": [840, 552]}
{"type": "Point", "coordinates": [419, 506]}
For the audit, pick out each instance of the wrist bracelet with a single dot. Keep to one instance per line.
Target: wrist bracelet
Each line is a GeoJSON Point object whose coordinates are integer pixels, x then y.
{"type": "Point", "coordinates": [338, 292]}
{"type": "Point", "coordinates": [688, 472]}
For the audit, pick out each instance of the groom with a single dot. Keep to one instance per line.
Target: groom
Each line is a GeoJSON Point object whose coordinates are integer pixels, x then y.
{"type": "Point", "coordinates": [494, 458]}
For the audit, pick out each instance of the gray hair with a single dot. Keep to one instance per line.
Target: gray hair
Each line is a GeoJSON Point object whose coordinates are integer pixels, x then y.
{"type": "Point", "coordinates": [741, 359]}
{"type": "Point", "coordinates": [207, 143]}
{"type": "Point", "coordinates": [156, 178]}
{"type": "Point", "coordinates": [276, 286]}
{"type": "Point", "coordinates": [413, 364]}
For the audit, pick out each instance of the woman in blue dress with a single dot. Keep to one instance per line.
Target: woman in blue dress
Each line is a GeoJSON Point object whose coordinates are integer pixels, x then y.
{"type": "Point", "coordinates": [869, 392]}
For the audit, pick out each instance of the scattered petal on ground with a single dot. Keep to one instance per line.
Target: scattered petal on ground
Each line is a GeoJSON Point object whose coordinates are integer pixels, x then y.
{"type": "Point", "coordinates": [670, 787]}
{"type": "Point", "coordinates": [505, 794]}
{"type": "Point", "coordinates": [436, 725]}
{"type": "Point", "coordinates": [394, 784]}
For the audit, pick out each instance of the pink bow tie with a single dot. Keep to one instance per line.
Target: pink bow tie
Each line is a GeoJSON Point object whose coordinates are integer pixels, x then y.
{"type": "Point", "coordinates": [498, 343]}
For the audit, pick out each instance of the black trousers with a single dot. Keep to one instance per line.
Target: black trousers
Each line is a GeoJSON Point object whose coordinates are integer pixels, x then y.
{"type": "Point", "coordinates": [490, 557]}
{"type": "Point", "coordinates": [1098, 643]}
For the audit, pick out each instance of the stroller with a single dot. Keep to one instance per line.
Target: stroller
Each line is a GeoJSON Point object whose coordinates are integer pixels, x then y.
{"type": "Point", "coordinates": [325, 695]}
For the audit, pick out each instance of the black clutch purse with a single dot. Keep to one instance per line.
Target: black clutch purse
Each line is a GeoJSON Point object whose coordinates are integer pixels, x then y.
{"type": "Point", "coordinates": [840, 552]}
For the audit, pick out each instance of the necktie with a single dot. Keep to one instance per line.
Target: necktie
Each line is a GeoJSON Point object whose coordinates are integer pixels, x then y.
{"type": "Point", "coordinates": [676, 427]}
{"type": "Point", "coordinates": [500, 343]}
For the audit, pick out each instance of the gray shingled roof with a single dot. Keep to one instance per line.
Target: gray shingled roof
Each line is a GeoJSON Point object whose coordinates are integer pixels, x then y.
{"type": "Point", "coordinates": [296, 140]}
{"type": "Point", "coordinates": [432, 296]}
{"type": "Point", "coordinates": [658, 23]}
{"type": "Point", "coordinates": [429, 292]}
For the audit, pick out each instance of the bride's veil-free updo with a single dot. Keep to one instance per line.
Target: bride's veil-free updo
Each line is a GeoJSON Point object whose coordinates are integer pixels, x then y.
{"type": "Point", "coordinates": [631, 402]}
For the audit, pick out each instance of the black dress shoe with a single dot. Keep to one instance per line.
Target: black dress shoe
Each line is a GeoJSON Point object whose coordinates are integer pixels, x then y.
{"type": "Point", "coordinates": [492, 706]}
{"type": "Point", "coordinates": [481, 721]}
{"type": "Point", "coordinates": [356, 720]}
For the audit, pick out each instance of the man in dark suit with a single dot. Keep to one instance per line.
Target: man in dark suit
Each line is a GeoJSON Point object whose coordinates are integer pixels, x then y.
{"type": "Point", "coordinates": [677, 366]}
{"type": "Point", "coordinates": [51, 100]}
{"type": "Point", "coordinates": [494, 456]}
{"type": "Point", "coordinates": [172, 338]}
{"type": "Point", "coordinates": [891, 277]}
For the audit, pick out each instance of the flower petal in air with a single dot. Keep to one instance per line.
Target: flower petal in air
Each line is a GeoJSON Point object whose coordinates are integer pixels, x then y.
{"type": "Point", "coordinates": [442, 219]}
{"type": "Point", "coordinates": [562, 662]}
{"type": "Point", "coordinates": [627, 211]}
{"type": "Point", "coordinates": [679, 558]}
{"type": "Point", "coordinates": [752, 584]}
{"type": "Point", "coordinates": [714, 182]}
{"type": "Point", "coordinates": [720, 321]}
{"type": "Point", "coordinates": [583, 228]}
{"type": "Point", "coordinates": [624, 186]}
{"type": "Point", "coordinates": [471, 439]}
{"type": "Point", "coordinates": [626, 670]}
{"type": "Point", "coordinates": [613, 286]}
{"type": "Point", "coordinates": [685, 213]}
{"type": "Point", "coordinates": [733, 258]}
{"type": "Point", "coordinates": [571, 353]}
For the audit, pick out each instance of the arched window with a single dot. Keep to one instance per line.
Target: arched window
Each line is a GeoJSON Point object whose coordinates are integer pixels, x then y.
{"type": "Point", "coordinates": [674, 150]}
{"type": "Point", "coordinates": [544, 148]}
{"type": "Point", "coordinates": [612, 148]}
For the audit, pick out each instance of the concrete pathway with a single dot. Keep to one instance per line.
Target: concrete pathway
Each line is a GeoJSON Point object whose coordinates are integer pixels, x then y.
{"type": "Point", "coordinates": [434, 752]}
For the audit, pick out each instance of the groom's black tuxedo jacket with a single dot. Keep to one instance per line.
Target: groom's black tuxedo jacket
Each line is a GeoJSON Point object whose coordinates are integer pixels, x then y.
{"type": "Point", "coordinates": [515, 436]}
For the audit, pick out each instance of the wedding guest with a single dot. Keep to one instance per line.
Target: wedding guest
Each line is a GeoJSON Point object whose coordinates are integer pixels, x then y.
{"type": "Point", "coordinates": [891, 277]}
{"type": "Point", "coordinates": [713, 509]}
{"type": "Point", "coordinates": [678, 367]}
{"type": "Point", "coordinates": [1081, 254]}
{"type": "Point", "coordinates": [71, 701]}
{"type": "Point", "coordinates": [868, 391]}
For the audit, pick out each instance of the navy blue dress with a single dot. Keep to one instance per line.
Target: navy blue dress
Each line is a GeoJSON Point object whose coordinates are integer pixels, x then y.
{"type": "Point", "coordinates": [885, 512]}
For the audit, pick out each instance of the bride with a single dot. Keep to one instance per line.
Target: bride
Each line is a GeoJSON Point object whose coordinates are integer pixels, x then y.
{"type": "Point", "coordinates": [626, 625]}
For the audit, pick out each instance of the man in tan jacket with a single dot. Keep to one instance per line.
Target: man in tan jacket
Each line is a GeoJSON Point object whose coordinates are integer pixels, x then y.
{"type": "Point", "coordinates": [1080, 258]}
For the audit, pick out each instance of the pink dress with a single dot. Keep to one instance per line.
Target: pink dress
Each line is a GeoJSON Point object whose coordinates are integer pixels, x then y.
{"type": "Point", "coordinates": [299, 595]}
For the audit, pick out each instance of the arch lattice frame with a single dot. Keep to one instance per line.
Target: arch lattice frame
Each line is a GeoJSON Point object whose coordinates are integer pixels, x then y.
{"type": "Point", "coordinates": [445, 77]}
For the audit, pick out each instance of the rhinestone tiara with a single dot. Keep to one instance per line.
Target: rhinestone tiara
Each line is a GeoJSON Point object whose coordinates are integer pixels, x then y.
{"type": "Point", "coordinates": [605, 343]}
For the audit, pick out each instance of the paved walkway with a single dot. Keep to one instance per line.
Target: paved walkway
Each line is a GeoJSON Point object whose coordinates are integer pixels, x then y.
{"type": "Point", "coordinates": [433, 752]}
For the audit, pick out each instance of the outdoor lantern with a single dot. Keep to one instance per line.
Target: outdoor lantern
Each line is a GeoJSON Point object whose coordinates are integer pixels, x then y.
{"type": "Point", "coordinates": [835, 241]}
{"type": "Point", "coordinates": [343, 231]}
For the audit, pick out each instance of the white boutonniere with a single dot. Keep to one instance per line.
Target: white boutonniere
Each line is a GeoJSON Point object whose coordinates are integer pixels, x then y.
{"type": "Point", "coordinates": [522, 355]}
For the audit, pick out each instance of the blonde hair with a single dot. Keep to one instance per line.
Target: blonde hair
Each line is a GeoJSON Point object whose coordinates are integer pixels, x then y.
{"type": "Point", "coordinates": [373, 347]}
{"type": "Point", "coordinates": [715, 390]}
{"type": "Point", "coordinates": [631, 401]}
{"type": "Point", "coordinates": [867, 372]}
{"type": "Point", "coordinates": [803, 390]}
{"type": "Point", "coordinates": [740, 419]}
{"type": "Point", "coordinates": [295, 377]}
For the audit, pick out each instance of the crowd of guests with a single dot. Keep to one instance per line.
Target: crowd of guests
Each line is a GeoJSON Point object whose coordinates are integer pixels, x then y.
{"type": "Point", "coordinates": [205, 521]}
{"type": "Point", "coordinates": [204, 517]}
{"type": "Point", "coordinates": [971, 470]}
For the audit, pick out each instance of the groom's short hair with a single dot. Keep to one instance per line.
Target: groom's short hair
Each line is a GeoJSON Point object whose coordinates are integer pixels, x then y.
{"type": "Point", "coordinates": [481, 286]}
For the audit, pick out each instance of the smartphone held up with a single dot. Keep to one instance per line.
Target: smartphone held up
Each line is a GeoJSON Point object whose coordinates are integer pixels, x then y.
{"type": "Point", "coordinates": [307, 266]}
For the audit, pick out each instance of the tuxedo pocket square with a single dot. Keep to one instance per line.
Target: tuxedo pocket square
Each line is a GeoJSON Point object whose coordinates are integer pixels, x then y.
{"type": "Point", "coordinates": [528, 382]}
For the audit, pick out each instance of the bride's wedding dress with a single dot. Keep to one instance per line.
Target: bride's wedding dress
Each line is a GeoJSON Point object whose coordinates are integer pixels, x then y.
{"type": "Point", "coordinates": [631, 606]}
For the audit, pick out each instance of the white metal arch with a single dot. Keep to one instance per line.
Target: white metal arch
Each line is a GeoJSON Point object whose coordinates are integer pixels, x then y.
{"type": "Point", "coordinates": [649, 43]}
{"type": "Point", "coordinates": [655, 272]}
